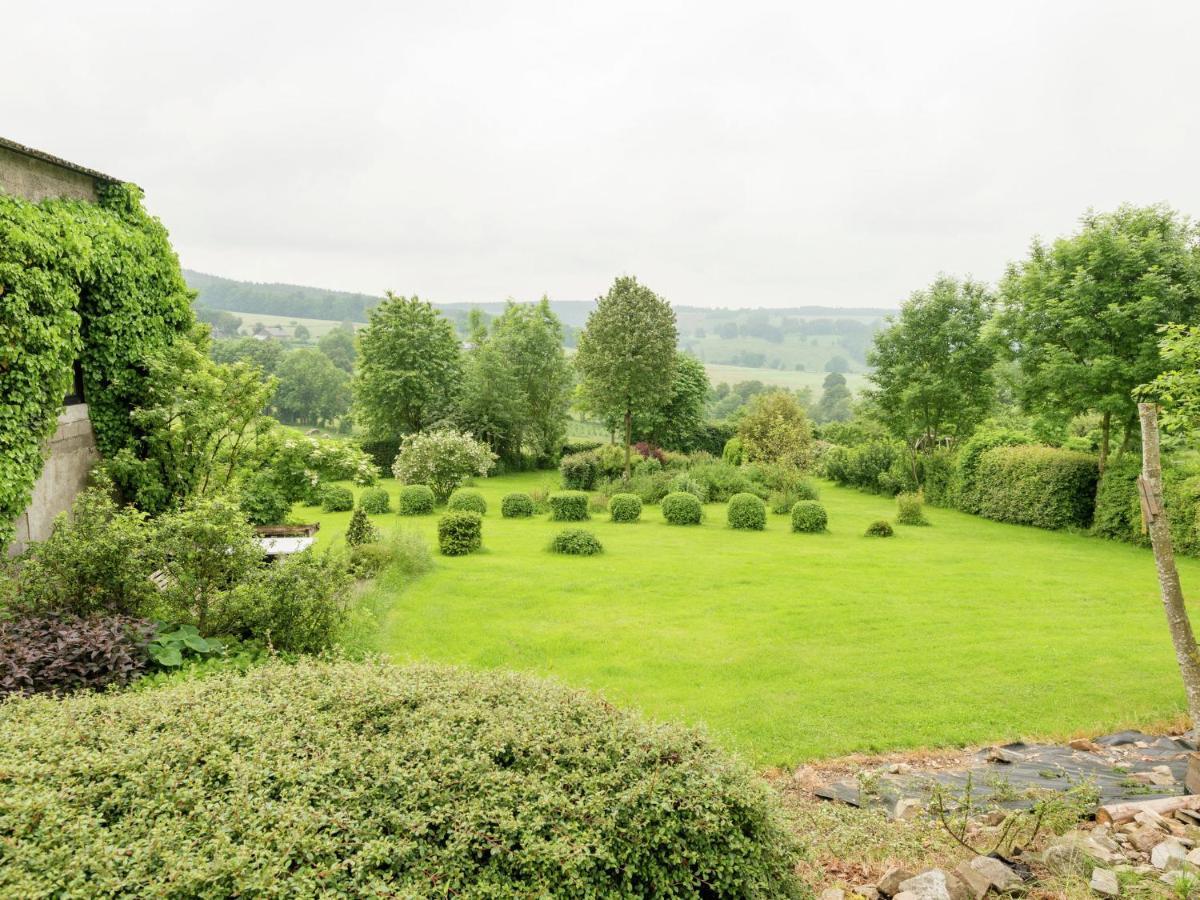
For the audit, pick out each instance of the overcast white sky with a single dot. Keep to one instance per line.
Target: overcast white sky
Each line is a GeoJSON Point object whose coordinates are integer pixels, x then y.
{"type": "Point", "coordinates": [730, 154]}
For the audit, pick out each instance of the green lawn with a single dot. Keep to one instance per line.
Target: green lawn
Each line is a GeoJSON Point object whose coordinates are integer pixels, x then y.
{"type": "Point", "coordinates": [792, 646]}
{"type": "Point", "coordinates": [784, 378]}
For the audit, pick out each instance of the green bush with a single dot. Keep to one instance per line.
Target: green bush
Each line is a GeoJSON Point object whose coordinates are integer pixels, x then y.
{"type": "Point", "coordinates": [416, 500]}
{"type": "Point", "coordinates": [378, 781]}
{"type": "Point", "coordinates": [579, 471]}
{"type": "Point", "coordinates": [909, 510]}
{"type": "Point", "coordinates": [625, 507]}
{"type": "Point", "coordinates": [963, 491]}
{"type": "Point", "coordinates": [732, 451]}
{"type": "Point", "coordinates": [263, 501]}
{"type": "Point", "coordinates": [879, 529]}
{"type": "Point", "coordinates": [576, 542]}
{"type": "Point", "coordinates": [1035, 485]}
{"type": "Point", "coordinates": [569, 506]}
{"type": "Point", "coordinates": [722, 480]}
{"type": "Point", "coordinates": [688, 484]}
{"type": "Point", "coordinates": [747, 512]}
{"type": "Point", "coordinates": [442, 459]}
{"type": "Point", "coordinates": [937, 476]}
{"type": "Point", "coordinates": [335, 498]}
{"type": "Point", "coordinates": [360, 530]}
{"type": "Point", "coordinates": [1118, 513]}
{"type": "Point", "coordinates": [467, 500]}
{"type": "Point", "coordinates": [809, 516]}
{"type": "Point", "coordinates": [516, 505]}
{"type": "Point", "coordinates": [460, 533]}
{"type": "Point", "coordinates": [375, 500]}
{"type": "Point", "coordinates": [681, 508]}
{"type": "Point", "coordinates": [782, 501]}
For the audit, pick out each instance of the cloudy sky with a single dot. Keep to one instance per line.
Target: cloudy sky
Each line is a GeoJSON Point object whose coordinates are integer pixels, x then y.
{"type": "Point", "coordinates": [729, 154]}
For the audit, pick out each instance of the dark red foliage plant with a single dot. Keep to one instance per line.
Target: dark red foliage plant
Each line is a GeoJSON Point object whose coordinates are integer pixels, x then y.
{"type": "Point", "coordinates": [58, 653]}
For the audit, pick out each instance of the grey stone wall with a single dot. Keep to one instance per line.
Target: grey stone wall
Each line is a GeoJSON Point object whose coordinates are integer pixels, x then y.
{"type": "Point", "coordinates": [36, 179]}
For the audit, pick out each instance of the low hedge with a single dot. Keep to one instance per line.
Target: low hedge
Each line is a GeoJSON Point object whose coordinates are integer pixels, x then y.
{"type": "Point", "coordinates": [516, 505]}
{"type": "Point", "coordinates": [335, 498]}
{"type": "Point", "coordinates": [625, 507]}
{"type": "Point", "coordinates": [747, 512]}
{"type": "Point", "coordinates": [365, 779]}
{"type": "Point", "coordinates": [416, 500]}
{"type": "Point", "coordinates": [460, 532]}
{"type": "Point", "coordinates": [681, 508]}
{"type": "Point", "coordinates": [579, 471]}
{"type": "Point", "coordinates": [1034, 485]}
{"type": "Point", "coordinates": [375, 500]}
{"type": "Point", "coordinates": [879, 529]}
{"type": "Point", "coordinates": [569, 506]}
{"type": "Point", "coordinates": [576, 542]}
{"type": "Point", "coordinates": [909, 510]}
{"type": "Point", "coordinates": [809, 516]}
{"type": "Point", "coordinates": [467, 500]}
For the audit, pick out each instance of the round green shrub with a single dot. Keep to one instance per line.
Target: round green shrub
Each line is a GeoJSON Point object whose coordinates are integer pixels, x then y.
{"type": "Point", "coordinates": [178, 790]}
{"type": "Point", "coordinates": [460, 532]}
{"type": "Point", "coordinates": [416, 500]}
{"type": "Point", "coordinates": [909, 510]}
{"type": "Point", "coordinates": [747, 512]}
{"type": "Point", "coordinates": [335, 498]}
{"type": "Point", "coordinates": [681, 508]}
{"type": "Point", "coordinates": [809, 516]}
{"type": "Point", "coordinates": [625, 507]}
{"type": "Point", "coordinates": [569, 506]}
{"type": "Point", "coordinates": [516, 505]}
{"type": "Point", "coordinates": [879, 529]}
{"type": "Point", "coordinates": [374, 500]}
{"type": "Point", "coordinates": [467, 500]}
{"type": "Point", "coordinates": [579, 471]}
{"type": "Point", "coordinates": [576, 542]}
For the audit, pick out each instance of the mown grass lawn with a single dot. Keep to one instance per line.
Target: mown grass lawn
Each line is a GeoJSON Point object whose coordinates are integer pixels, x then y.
{"type": "Point", "coordinates": [791, 646]}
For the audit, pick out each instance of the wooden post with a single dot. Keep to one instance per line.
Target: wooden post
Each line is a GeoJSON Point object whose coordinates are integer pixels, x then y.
{"type": "Point", "coordinates": [1150, 492]}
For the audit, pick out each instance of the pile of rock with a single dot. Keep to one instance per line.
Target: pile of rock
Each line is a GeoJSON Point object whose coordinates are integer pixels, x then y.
{"type": "Point", "coordinates": [971, 880]}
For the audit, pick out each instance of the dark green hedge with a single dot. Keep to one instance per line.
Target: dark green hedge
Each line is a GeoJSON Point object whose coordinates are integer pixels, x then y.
{"type": "Point", "coordinates": [355, 780]}
{"type": "Point", "coordinates": [625, 507]}
{"type": "Point", "coordinates": [569, 506]}
{"type": "Point", "coordinates": [576, 542]}
{"type": "Point", "coordinates": [1034, 485]}
{"type": "Point", "coordinates": [681, 508]}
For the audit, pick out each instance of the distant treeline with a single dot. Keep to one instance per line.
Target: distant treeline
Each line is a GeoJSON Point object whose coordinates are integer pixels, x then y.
{"type": "Point", "coordinates": [290, 300]}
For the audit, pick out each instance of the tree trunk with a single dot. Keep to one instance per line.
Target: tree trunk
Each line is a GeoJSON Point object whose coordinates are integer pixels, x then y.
{"type": "Point", "coordinates": [1105, 428]}
{"type": "Point", "coordinates": [628, 438]}
{"type": "Point", "coordinates": [1127, 440]}
{"type": "Point", "coordinates": [1150, 492]}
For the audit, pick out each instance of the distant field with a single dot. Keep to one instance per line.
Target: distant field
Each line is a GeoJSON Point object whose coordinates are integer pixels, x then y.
{"type": "Point", "coordinates": [316, 327]}
{"type": "Point", "coordinates": [778, 377]}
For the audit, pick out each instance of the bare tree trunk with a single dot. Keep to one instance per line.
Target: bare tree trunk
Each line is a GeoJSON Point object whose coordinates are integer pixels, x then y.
{"type": "Point", "coordinates": [1105, 428]}
{"type": "Point", "coordinates": [1150, 491]}
{"type": "Point", "coordinates": [628, 438]}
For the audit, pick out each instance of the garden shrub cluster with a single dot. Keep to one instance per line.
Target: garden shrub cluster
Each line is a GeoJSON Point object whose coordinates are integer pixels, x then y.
{"type": "Point", "coordinates": [517, 505]}
{"type": "Point", "coordinates": [879, 465]}
{"type": "Point", "coordinates": [809, 516]}
{"type": "Point", "coordinates": [569, 506]}
{"type": "Point", "coordinates": [909, 510]}
{"type": "Point", "coordinates": [579, 471]}
{"type": "Point", "coordinates": [467, 500]}
{"type": "Point", "coordinates": [882, 528]}
{"type": "Point", "coordinates": [576, 542]}
{"type": "Point", "coordinates": [1034, 485]}
{"type": "Point", "coordinates": [416, 500]}
{"type": "Point", "coordinates": [625, 507]}
{"type": "Point", "coordinates": [336, 498]}
{"type": "Point", "coordinates": [417, 767]}
{"type": "Point", "coordinates": [747, 512]}
{"type": "Point", "coordinates": [375, 500]}
{"type": "Point", "coordinates": [460, 533]}
{"type": "Point", "coordinates": [682, 509]}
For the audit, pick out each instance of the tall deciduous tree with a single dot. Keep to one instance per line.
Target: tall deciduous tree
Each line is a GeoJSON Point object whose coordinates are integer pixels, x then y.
{"type": "Point", "coordinates": [410, 369]}
{"type": "Point", "coordinates": [932, 364]}
{"type": "Point", "coordinates": [834, 405]}
{"type": "Point", "coordinates": [626, 354]}
{"type": "Point", "coordinates": [338, 345]}
{"type": "Point", "coordinates": [774, 429]}
{"type": "Point", "coordinates": [311, 388]}
{"type": "Point", "coordinates": [680, 423]}
{"type": "Point", "coordinates": [1080, 314]}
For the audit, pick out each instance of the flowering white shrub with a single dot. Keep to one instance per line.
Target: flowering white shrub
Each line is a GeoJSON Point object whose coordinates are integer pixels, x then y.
{"type": "Point", "coordinates": [442, 459]}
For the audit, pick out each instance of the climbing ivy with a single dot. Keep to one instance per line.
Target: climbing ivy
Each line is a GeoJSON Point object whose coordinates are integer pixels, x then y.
{"type": "Point", "coordinates": [94, 282]}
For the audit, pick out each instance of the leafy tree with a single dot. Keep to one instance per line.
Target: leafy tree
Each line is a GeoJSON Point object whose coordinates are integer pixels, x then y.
{"type": "Point", "coordinates": [491, 406]}
{"type": "Point", "coordinates": [311, 388]}
{"type": "Point", "coordinates": [679, 424]}
{"type": "Point", "coordinates": [410, 371]}
{"type": "Point", "coordinates": [301, 333]}
{"type": "Point", "coordinates": [442, 459]}
{"type": "Point", "coordinates": [775, 430]}
{"type": "Point", "coordinates": [1080, 314]}
{"type": "Point", "coordinates": [626, 354]}
{"type": "Point", "coordinates": [1177, 389]}
{"type": "Point", "coordinates": [835, 403]}
{"type": "Point", "coordinates": [338, 345]}
{"type": "Point", "coordinates": [932, 364]}
{"type": "Point", "coordinates": [224, 324]}
{"type": "Point", "coordinates": [266, 355]}
{"type": "Point", "coordinates": [837, 364]}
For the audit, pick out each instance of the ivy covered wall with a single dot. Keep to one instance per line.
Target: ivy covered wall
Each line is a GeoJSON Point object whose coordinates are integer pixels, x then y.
{"type": "Point", "coordinates": [94, 282]}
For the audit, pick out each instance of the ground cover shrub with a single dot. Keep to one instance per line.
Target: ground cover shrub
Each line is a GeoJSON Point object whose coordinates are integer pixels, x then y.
{"type": "Point", "coordinates": [879, 529]}
{"type": "Point", "coordinates": [375, 500]}
{"type": "Point", "coordinates": [809, 516]}
{"type": "Point", "coordinates": [650, 486]}
{"type": "Point", "coordinates": [335, 498]}
{"type": "Point", "coordinates": [460, 533]}
{"type": "Point", "coordinates": [1035, 485]}
{"type": "Point", "coordinates": [516, 505]}
{"type": "Point", "coordinates": [417, 767]}
{"type": "Point", "coordinates": [360, 530]}
{"type": "Point", "coordinates": [688, 484]}
{"type": "Point", "coordinates": [682, 509]}
{"type": "Point", "coordinates": [576, 542]}
{"type": "Point", "coordinates": [416, 500]}
{"type": "Point", "coordinates": [172, 648]}
{"type": "Point", "coordinates": [57, 653]}
{"type": "Point", "coordinates": [625, 507]}
{"type": "Point", "coordinates": [908, 510]}
{"type": "Point", "coordinates": [467, 500]}
{"type": "Point", "coordinates": [747, 512]}
{"type": "Point", "coordinates": [568, 506]}
{"type": "Point", "coordinates": [442, 459]}
{"type": "Point", "coordinates": [579, 471]}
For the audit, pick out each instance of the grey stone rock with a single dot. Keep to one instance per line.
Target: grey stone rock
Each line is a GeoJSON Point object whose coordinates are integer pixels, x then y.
{"type": "Point", "coordinates": [889, 884]}
{"type": "Point", "coordinates": [869, 891]}
{"type": "Point", "coordinates": [1000, 876]}
{"type": "Point", "coordinates": [833, 894]}
{"type": "Point", "coordinates": [1104, 882]}
{"type": "Point", "coordinates": [935, 884]}
{"type": "Point", "coordinates": [976, 883]}
{"type": "Point", "coordinates": [1168, 855]}
{"type": "Point", "coordinates": [1066, 858]}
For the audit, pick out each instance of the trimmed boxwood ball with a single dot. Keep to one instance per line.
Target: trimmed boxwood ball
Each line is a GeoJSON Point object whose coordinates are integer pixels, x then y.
{"type": "Point", "coordinates": [416, 500]}
{"type": "Point", "coordinates": [417, 765]}
{"type": "Point", "coordinates": [625, 507]}
{"type": "Point", "coordinates": [374, 500]}
{"type": "Point", "coordinates": [569, 506]}
{"type": "Point", "coordinates": [809, 516]}
{"type": "Point", "coordinates": [747, 512]}
{"type": "Point", "coordinates": [460, 532]}
{"type": "Point", "coordinates": [467, 500]}
{"type": "Point", "coordinates": [516, 505]}
{"type": "Point", "coordinates": [879, 529]}
{"type": "Point", "coordinates": [335, 498]}
{"type": "Point", "coordinates": [681, 508]}
{"type": "Point", "coordinates": [576, 542]}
